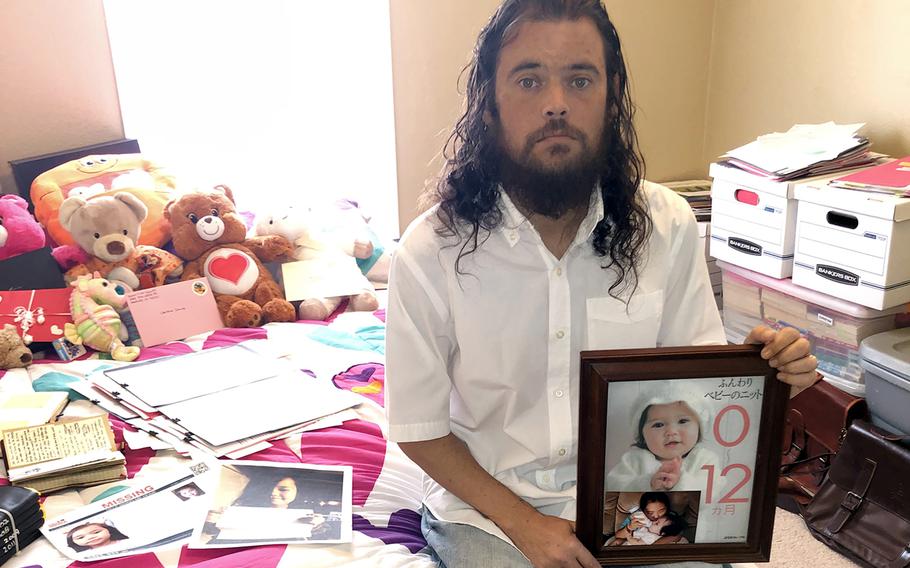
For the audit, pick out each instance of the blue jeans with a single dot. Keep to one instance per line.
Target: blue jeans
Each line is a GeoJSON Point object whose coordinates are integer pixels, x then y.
{"type": "Point", "coordinates": [454, 545]}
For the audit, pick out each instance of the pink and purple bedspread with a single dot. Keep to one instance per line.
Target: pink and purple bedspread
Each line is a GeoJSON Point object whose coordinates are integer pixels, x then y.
{"type": "Point", "coordinates": [386, 485]}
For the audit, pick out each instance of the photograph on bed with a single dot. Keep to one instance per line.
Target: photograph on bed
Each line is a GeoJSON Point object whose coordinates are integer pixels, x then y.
{"type": "Point", "coordinates": [687, 435]}
{"type": "Point", "coordinates": [277, 503]}
{"type": "Point", "coordinates": [135, 517]}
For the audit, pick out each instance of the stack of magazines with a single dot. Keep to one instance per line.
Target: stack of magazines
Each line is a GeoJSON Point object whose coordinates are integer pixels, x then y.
{"type": "Point", "coordinates": [804, 150]}
{"type": "Point", "coordinates": [697, 194]}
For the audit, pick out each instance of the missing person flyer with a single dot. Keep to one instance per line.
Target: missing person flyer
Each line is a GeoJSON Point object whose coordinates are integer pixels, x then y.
{"type": "Point", "coordinates": [145, 515]}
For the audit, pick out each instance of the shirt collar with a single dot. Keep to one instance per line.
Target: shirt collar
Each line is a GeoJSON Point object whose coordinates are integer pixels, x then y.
{"type": "Point", "coordinates": [513, 219]}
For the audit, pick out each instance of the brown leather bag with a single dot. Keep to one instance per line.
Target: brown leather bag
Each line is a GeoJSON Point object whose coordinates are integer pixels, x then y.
{"type": "Point", "coordinates": [817, 421]}
{"type": "Point", "coordinates": [862, 510]}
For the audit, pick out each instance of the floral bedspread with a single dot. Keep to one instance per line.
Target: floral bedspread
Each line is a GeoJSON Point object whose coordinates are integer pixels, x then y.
{"type": "Point", "coordinates": [386, 485]}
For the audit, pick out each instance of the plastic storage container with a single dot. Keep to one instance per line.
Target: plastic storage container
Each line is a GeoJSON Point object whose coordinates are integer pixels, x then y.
{"type": "Point", "coordinates": [886, 360]}
{"type": "Point", "coordinates": [834, 327]}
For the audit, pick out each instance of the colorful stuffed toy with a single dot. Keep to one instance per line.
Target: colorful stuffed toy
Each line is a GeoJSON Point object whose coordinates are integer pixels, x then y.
{"type": "Point", "coordinates": [107, 228]}
{"type": "Point", "coordinates": [210, 235]}
{"type": "Point", "coordinates": [13, 353]}
{"type": "Point", "coordinates": [19, 232]}
{"type": "Point", "coordinates": [95, 176]}
{"type": "Point", "coordinates": [94, 303]}
{"type": "Point", "coordinates": [331, 252]}
{"type": "Point", "coordinates": [374, 266]}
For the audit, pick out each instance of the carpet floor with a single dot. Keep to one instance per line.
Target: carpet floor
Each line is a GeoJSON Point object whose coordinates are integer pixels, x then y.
{"type": "Point", "coordinates": [795, 547]}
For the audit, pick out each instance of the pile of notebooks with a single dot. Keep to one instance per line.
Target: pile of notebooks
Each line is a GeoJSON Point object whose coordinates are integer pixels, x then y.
{"type": "Point", "coordinates": [67, 453]}
{"type": "Point", "coordinates": [20, 518]}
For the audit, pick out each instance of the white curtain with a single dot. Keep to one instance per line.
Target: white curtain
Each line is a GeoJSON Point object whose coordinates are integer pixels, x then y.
{"type": "Point", "coordinates": [283, 100]}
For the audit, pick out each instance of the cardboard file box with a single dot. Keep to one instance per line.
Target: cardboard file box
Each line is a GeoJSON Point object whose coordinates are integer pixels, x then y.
{"type": "Point", "coordinates": [752, 221]}
{"type": "Point", "coordinates": [853, 245]}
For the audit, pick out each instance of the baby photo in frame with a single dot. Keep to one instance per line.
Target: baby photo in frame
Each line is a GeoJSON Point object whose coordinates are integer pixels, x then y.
{"type": "Point", "coordinates": [678, 446]}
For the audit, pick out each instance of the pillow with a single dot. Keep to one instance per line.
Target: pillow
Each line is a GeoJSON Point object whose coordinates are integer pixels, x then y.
{"type": "Point", "coordinates": [98, 175]}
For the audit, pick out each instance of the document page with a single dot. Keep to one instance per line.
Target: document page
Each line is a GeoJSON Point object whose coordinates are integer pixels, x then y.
{"type": "Point", "coordinates": [168, 380]}
{"type": "Point", "coordinates": [57, 440]}
{"type": "Point", "coordinates": [263, 406]}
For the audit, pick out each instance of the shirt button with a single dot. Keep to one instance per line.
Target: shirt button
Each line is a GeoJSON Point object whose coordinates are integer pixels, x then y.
{"type": "Point", "coordinates": [546, 478]}
{"type": "Point", "coordinates": [559, 271]}
{"type": "Point", "coordinates": [562, 451]}
{"type": "Point", "coordinates": [558, 393]}
{"type": "Point", "coordinates": [560, 334]}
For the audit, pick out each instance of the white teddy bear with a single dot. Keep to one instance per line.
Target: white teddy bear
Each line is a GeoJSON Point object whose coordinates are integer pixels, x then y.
{"type": "Point", "coordinates": [331, 251]}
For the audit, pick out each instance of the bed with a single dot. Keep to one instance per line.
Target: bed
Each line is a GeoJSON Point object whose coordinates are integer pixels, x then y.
{"type": "Point", "coordinates": [386, 485]}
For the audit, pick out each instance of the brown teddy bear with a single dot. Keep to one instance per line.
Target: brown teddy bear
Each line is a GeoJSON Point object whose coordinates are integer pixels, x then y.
{"type": "Point", "coordinates": [208, 233]}
{"type": "Point", "coordinates": [107, 228]}
{"type": "Point", "coordinates": [13, 353]}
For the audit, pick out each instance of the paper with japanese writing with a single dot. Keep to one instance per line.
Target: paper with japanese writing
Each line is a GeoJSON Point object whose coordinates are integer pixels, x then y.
{"type": "Point", "coordinates": [58, 440]}
{"type": "Point", "coordinates": [650, 434]}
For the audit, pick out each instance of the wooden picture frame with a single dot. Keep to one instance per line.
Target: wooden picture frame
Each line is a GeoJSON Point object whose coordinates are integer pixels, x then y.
{"type": "Point", "coordinates": [643, 437]}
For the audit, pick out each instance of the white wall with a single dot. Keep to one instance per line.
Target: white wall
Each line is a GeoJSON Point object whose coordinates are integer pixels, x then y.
{"type": "Point", "coordinates": [781, 62]}
{"type": "Point", "coordinates": [57, 86]}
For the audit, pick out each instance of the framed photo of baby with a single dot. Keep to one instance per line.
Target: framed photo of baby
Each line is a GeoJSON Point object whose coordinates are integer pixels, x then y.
{"type": "Point", "coordinates": [679, 450]}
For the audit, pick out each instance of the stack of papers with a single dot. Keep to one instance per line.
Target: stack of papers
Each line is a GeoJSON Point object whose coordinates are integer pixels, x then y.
{"type": "Point", "coordinates": [697, 194]}
{"type": "Point", "coordinates": [891, 177]}
{"type": "Point", "coordinates": [226, 401]}
{"type": "Point", "coordinates": [804, 150]}
{"type": "Point", "coordinates": [63, 454]}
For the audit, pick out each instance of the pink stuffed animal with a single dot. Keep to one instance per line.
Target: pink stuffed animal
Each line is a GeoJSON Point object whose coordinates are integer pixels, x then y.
{"type": "Point", "coordinates": [19, 232]}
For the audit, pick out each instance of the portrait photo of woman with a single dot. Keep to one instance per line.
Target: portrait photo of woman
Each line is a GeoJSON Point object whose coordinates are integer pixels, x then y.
{"type": "Point", "coordinates": [263, 503]}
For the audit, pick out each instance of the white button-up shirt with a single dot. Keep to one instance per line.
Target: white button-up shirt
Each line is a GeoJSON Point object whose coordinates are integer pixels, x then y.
{"type": "Point", "coordinates": [491, 353]}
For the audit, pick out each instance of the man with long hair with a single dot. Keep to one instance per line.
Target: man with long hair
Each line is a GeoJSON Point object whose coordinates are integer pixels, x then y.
{"type": "Point", "coordinates": [543, 240]}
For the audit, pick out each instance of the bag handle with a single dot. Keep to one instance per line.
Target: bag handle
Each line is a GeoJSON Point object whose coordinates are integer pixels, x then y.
{"type": "Point", "coordinates": [794, 464]}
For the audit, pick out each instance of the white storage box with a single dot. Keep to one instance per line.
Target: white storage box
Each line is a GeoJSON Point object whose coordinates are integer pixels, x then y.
{"type": "Point", "coordinates": [853, 244]}
{"type": "Point", "coordinates": [753, 220]}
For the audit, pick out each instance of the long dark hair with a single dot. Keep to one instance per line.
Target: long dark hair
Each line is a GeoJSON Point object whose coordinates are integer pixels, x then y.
{"type": "Point", "coordinates": [467, 191]}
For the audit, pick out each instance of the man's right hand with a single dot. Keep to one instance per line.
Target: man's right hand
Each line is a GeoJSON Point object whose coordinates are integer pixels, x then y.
{"type": "Point", "coordinates": [550, 542]}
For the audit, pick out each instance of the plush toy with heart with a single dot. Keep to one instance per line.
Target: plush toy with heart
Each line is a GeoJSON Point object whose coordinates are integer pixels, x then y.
{"type": "Point", "coordinates": [208, 233]}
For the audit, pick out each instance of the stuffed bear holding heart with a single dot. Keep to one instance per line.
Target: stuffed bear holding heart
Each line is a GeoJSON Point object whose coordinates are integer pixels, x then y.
{"type": "Point", "coordinates": [208, 233]}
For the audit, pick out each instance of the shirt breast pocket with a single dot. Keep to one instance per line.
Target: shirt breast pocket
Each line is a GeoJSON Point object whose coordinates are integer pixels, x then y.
{"type": "Point", "coordinates": [613, 325]}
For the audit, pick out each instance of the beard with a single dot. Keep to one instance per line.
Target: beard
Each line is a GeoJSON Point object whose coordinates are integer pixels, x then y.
{"type": "Point", "coordinates": [546, 190]}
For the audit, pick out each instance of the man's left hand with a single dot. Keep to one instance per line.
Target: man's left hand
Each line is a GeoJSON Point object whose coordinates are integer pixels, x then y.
{"type": "Point", "coordinates": [788, 352]}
